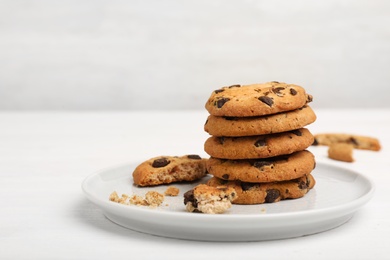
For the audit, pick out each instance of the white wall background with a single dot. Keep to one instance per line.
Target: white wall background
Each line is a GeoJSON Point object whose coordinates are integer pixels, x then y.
{"type": "Point", "coordinates": [171, 54]}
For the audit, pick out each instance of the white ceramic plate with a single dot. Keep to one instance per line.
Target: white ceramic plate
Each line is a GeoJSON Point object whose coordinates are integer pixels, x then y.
{"type": "Point", "coordinates": [332, 202]}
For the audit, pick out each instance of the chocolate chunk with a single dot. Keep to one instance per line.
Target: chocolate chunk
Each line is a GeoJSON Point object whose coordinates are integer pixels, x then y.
{"type": "Point", "coordinates": [260, 164]}
{"type": "Point", "coordinates": [218, 91]}
{"type": "Point", "coordinates": [272, 195]}
{"type": "Point", "coordinates": [161, 162]}
{"type": "Point", "coordinates": [309, 98]}
{"type": "Point", "coordinates": [235, 86]}
{"type": "Point", "coordinates": [189, 197]}
{"type": "Point", "coordinates": [220, 102]}
{"type": "Point", "coordinates": [261, 142]}
{"type": "Point", "coordinates": [221, 139]}
{"type": "Point", "coordinates": [315, 142]}
{"type": "Point", "coordinates": [225, 176]}
{"type": "Point", "coordinates": [307, 182]}
{"type": "Point", "coordinates": [296, 132]}
{"type": "Point", "coordinates": [353, 141]}
{"type": "Point", "coordinates": [267, 100]}
{"type": "Point", "coordinates": [293, 91]}
{"type": "Point", "coordinates": [194, 156]}
{"type": "Point", "coordinates": [247, 185]}
{"type": "Point", "coordinates": [302, 185]}
{"type": "Point", "coordinates": [278, 90]}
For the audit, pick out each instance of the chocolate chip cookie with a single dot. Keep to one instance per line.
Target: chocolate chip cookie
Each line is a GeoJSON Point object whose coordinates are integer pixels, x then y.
{"type": "Point", "coordinates": [256, 99]}
{"type": "Point", "coordinates": [248, 126]}
{"type": "Point", "coordinates": [258, 193]}
{"type": "Point", "coordinates": [280, 168]}
{"type": "Point", "coordinates": [261, 146]}
{"type": "Point", "coordinates": [168, 169]}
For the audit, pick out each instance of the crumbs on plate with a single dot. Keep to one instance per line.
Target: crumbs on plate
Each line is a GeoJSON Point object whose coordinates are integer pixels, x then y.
{"type": "Point", "coordinates": [151, 199]}
{"type": "Point", "coordinates": [172, 191]}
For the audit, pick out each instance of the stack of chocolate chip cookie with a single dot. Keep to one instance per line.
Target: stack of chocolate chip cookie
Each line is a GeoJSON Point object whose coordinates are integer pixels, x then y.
{"type": "Point", "coordinates": [258, 141]}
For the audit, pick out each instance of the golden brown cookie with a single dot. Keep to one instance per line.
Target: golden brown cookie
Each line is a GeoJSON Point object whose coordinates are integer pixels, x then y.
{"type": "Point", "coordinates": [258, 193]}
{"type": "Point", "coordinates": [341, 152]}
{"type": "Point", "coordinates": [262, 146]}
{"type": "Point", "coordinates": [358, 141]}
{"type": "Point", "coordinates": [210, 200]}
{"type": "Point", "coordinates": [248, 126]}
{"type": "Point", "coordinates": [168, 169]}
{"type": "Point", "coordinates": [256, 99]}
{"type": "Point", "coordinates": [280, 168]}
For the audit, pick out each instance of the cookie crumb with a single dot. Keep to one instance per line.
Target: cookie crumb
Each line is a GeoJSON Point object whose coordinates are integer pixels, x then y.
{"type": "Point", "coordinates": [172, 191]}
{"type": "Point", "coordinates": [341, 152]}
{"type": "Point", "coordinates": [153, 198]}
{"type": "Point", "coordinates": [114, 197]}
{"type": "Point", "coordinates": [138, 200]}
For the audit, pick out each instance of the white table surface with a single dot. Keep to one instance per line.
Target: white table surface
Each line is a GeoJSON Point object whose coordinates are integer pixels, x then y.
{"type": "Point", "coordinates": [45, 156]}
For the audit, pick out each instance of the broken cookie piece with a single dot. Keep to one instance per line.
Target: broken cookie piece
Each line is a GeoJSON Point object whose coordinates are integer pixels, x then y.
{"type": "Point", "coordinates": [209, 200]}
{"type": "Point", "coordinates": [341, 152]}
{"type": "Point", "coordinates": [357, 141]}
{"type": "Point", "coordinates": [168, 169]}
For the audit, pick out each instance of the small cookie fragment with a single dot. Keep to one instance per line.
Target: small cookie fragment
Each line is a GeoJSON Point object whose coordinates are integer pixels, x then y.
{"type": "Point", "coordinates": [114, 197]}
{"type": "Point", "coordinates": [172, 191]}
{"type": "Point", "coordinates": [168, 169]}
{"type": "Point", "coordinates": [357, 141]}
{"type": "Point", "coordinates": [153, 198]}
{"type": "Point", "coordinates": [341, 152]}
{"type": "Point", "coordinates": [209, 200]}
{"type": "Point", "coordinates": [138, 200]}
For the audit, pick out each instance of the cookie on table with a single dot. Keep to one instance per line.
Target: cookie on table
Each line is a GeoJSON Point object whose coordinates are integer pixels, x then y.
{"type": "Point", "coordinates": [357, 141]}
{"type": "Point", "coordinates": [261, 146]}
{"type": "Point", "coordinates": [341, 152]}
{"type": "Point", "coordinates": [258, 193]}
{"type": "Point", "coordinates": [280, 168]}
{"type": "Point", "coordinates": [168, 169]}
{"type": "Point", "coordinates": [248, 126]}
{"type": "Point", "coordinates": [210, 200]}
{"type": "Point", "coordinates": [256, 99]}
